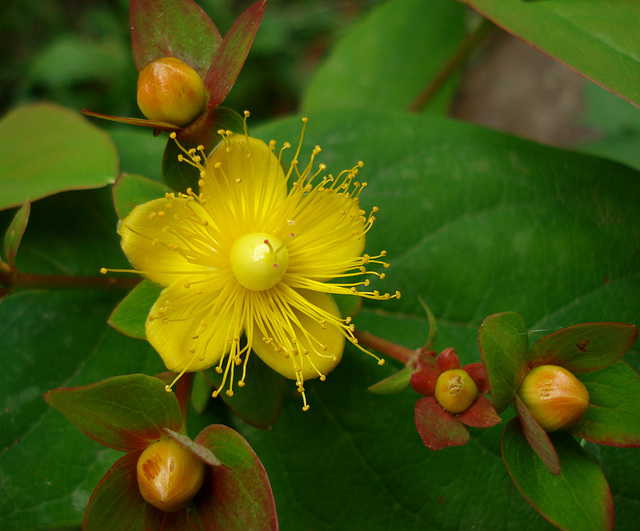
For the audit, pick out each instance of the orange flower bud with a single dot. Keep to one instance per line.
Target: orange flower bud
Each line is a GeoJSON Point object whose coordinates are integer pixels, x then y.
{"type": "Point", "coordinates": [171, 91]}
{"type": "Point", "coordinates": [554, 396]}
{"type": "Point", "coordinates": [455, 391]}
{"type": "Point", "coordinates": [169, 475]}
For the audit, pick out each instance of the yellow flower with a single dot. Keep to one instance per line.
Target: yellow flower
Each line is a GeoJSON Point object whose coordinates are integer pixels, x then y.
{"type": "Point", "coordinates": [249, 256]}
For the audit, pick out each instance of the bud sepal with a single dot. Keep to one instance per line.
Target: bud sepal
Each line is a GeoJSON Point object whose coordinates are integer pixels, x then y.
{"type": "Point", "coordinates": [454, 399]}
{"type": "Point", "coordinates": [137, 415]}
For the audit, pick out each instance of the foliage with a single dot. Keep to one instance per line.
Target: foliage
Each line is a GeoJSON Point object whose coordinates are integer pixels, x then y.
{"type": "Point", "coordinates": [475, 222]}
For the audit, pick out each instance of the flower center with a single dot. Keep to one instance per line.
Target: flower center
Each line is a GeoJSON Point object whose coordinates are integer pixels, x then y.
{"type": "Point", "coordinates": [259, 261]}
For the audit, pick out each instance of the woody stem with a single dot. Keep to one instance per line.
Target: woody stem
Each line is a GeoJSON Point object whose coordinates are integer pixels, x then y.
{"type": "Point", "coordinates": [392, 350]}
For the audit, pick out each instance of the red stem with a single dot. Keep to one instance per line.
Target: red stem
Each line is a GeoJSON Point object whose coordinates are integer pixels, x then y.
{"type": "Point", "coordinates": [392, 350]}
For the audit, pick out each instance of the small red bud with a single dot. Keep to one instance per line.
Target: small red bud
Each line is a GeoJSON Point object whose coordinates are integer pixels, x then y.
{"type": "Point", "coordinates": [455, 391]}
{"type": "Point", "coordinates": [554, 396]}
{"type": "Point", "coordinates": [169, 475]}
{"type": "Point", "coordinates": [171, 91]}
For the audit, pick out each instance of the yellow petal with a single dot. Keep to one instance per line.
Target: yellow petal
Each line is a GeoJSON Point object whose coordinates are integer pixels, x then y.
{"type": "Point", "coordinates": [246, 175]}
{"type": "Point", "coordinates": [309, 335]}
{"type": "Point", "coordinates": [156, 235]}
{"type": "Point", "coordinates": [328, 232]}
{"type": "Point", "coordinates": [193, 329]}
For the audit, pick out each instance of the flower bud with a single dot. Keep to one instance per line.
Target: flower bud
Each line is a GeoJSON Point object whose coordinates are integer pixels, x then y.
{"type": "Point", "coordinates": [554, 396]}
{"type": "Point", "coordinates": [171, 91]}
{"type": "Point", "coordinates": [455, 391]}
{"type": "Point", "coordinates": [169, 475]}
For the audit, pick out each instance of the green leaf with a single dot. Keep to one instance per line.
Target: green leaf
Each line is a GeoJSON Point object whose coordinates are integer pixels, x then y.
{"type": "Point", "coordinates": [130, 316]}
{"type": "Point", "coordinates": [48, 149]}
{"type": "Point", "coordinates": [133, 190]}
{"type": "Point", "coordinates": [173, 28]}
{"type": "Point", "coordinates": [239, 493]}
{"type": "Point", "coordinates": [48, 468]}
{"type": "Point", "coordinates": [577, 499]}
{"type": "Point", "coordinates": [140, 152]}
{"type": "Point", "coordinates": [393, 384]}
{"type": "Point", "coordinates": [604, 48]}
{"type": "Point", "coordinates": [203, 132]}
{"type": "Point", "coordinates": [504, 347]}
{"type": "Point", "coordinates": [613, 417]}
{"type": "Point", "coordinates": [260, 400]}
{"type": "Point", "coordinates": [233, 51]}
{"type": "Point", "coordinates": [474, 222]}
{"type": "Point", "coordinates": [387, 59]}
{"type": "Point", "coordinates": [14, 233]}
{"type": "Point", "coordinates": [123, 412]}
{"type": "Point", "coordinates": [584, 347]}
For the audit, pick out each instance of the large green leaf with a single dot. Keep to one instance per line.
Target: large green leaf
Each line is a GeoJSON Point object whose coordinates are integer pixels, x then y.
{"type": "Point", "coordinates": [476, 223]}
{"type": "Point", "coordinates": [388, 58]}
{"type": "Point", "coordinates": [613, 417]}
{"type": "Point", "coordinates": [598, 39]}
{"type": "Point", "coordinates": [47, 149]}
{"type": "Point", "coordinates": [578, 499]}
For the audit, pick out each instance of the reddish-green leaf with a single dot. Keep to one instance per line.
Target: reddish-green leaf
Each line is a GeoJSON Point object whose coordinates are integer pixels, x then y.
{"type": "Point", "coordinates": [260, 400]}
{"type": "Point", "coordinates": [14, 233]}
{"type": "Point", "coordinates": [393, 384]}
{"type": "Point", "coordinates": [613, 417]}
{"type": "Point", "coordinates": [438, 428]}
{"type": "Point", "coordinates": [504, 347]}
{"type": "Point", "coordinates": [172, 28]}
{"type": "Point", "coordinates": [232, 53]}
{"type": "Point", "coordinates": [130, 316]}
{"type": "Point", "coordinates": [578, 499]}
{"type": "Point", "coordinates": [537, 438]}
{"type": "Point", "coordinates": [584, 347]}
{"type": "Point", "coordinates": [238, 494]}
{"type": "Point", "coordinates": [598, 39]}
{"type": "Point", "coordinates": [123, 412]}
